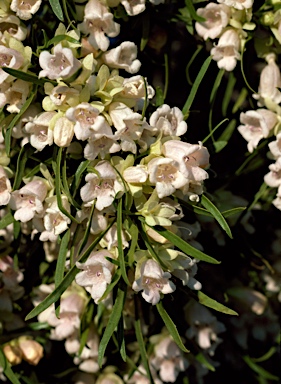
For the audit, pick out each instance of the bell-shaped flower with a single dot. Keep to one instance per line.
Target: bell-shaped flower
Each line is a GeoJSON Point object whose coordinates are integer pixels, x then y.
{"type": "Point", "coordinates": [169, 360]}
{"type": "Point", "coordinates": [5, 187]}
{"type": "Point", "coordinates": [28, 116]}
{"type": "Point", "coordinates": [273, 178]}
{"type": "Point", "coordinates": [98, 24]}
{"type": "Point", "coordinates": [61, 64]}
{"type": "Point", "coordinates": [101, 145]}
{"type": "Point", "coordinates": [102, 186]}
{"type": "Point", "coordinates": [60, 97]}
{"type": "Point", "coordinates": [270, 82]}
{"type": "Point", "coordinates": [40, 135]}
{"type": "Point", "coordinates": [168, 121]}
{"type": "Point", "coordinates": [63, 132]}
{"type": "Point", "coordinates": [87, 120]}
{"type": "Point", "coordinates": [216, 19]}
{"type": "Point", "coordinates": [55, 222]}
{"type": "Point", "coordinates": [124, 57]}
{"type": "Point", "coordinates": [275, 146]}
{"type": "Point", "coordinates": [9, 58]}
{"type": "Point", "coordinates": [191, 158]}
{"type": "Point", "coordinates": [31, 350]}
{"type": "Point", "coordinates": [96, 273]}
{"type": "Point", "coordinates": [153, 281]}
{"type": "Point", "coordinates": [226, 52]}
{"type": "Point", "coordinates": [17, 95]}
{"type": "Point", "coordinates": [28, 200]}
{"type": "Point", "coordinates": [256, 126]}
{"type": "Point", "coordinates": [25, 9]}
{"type": "Point", "coordinates": [165, 174]}
{"type": "Point", "coordinates": [133, 8]}
{"type": "Point", "coordinates": [238, 4]}
{"type": "Point", "coordinates": [13, 26]}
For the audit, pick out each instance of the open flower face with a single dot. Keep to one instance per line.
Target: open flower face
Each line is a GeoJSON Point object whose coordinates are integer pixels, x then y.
{"type": "Point", "coordinates": [124, 57]}
{"type": "Point", "coordinates": [133, 7]}
{"type": "Point", "coordinates": [96, 273]}
{"type": "Point", "coordinates": [226, 53]}
{"type": "Point", "coordinates": [216, 19]}
{"type": "Point", "coordinates": [153, 281]}
{"type": "Point", "coordinates": [38, 129]}
{"type": "Point", "coordinates": [25, 9]}
{"type": "Point", "coordinates": [13, 26]}
{"type": "Point", "coordinates": [190, 157]}
{"type": "Point", "coordinates": [238, 4]}
{"type": "Point", "coordinates": [168, 121]}
{"type": "Point", "coordinates": [60, 64]}
{"type": "Point", "coordinates": [9, 58]}
{"type": "Point", "coordinates": [5, 187]}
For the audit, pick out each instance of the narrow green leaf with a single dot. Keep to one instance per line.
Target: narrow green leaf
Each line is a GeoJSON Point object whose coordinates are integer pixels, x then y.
{"type": "Point", "coordinates": [219, 145]}
{"type": "Point", "coordinates": [112, 324]}
{"type": "Point", "coordinates": [65, 184]}
{"type": "Point", "coordinates": [217, 84]}
{"type": "Point", "coordinates": [227, 133]}
{"type": "Point", "coordinates": [228, 93]}
{"type": "Point", "coordinates": [7, 220]}
{"type": "Point", "coordinates": [120, 338]}
{"type": "Point", "coordinates": [67, 280]}
{"type": "Point", "coordinates": [202, 360]}
{"type": "Point", "coordinates": [17, 117]}
{"type": "Point", "coordinates": [192, 11]}
{"type": "Point", "coordinates": [57, 39]}
{"type": "Point", "coordinates": [87, 231]}
{"type": "Point", "coordinates": [134, 233]}
{"type": "Point", "coordinates": [29, 77]}
{"type": "Point", "coordinates": [145, 30]}
{"type": "Point", "coordinates": [25, 152]}
{"type": "Point", "coordinates": [60, 267]}
{"type": "Point", "coordinates": [159, 96]}
{"type": "Point", "coordinates": [7, 369]}
{"type": "Point", "coordinates": [213, 131]}
{"type": "Point", "coordinates": [120, 243]}
{"type": "Point", "coordinates": [56, 7]}
{"type": "Point", "coordinates": [110, 286]}
{"type": "Point", "coordinates": [184, 246]}
{"type": "Point", "coordinates": [142, 350]}
{"type": "Point", "coordinates": [266, 356]}
{"type": "Point", "coordinates": [233, 211]}
{"type": "Point", "coordinates": [211, 303]}
{"type": "Point", "coordinates": [195, 86]}
{"type": "Point", "coordinates": [259, 370]}
{"type": "Point", "coordinates": [77, 177]}
{"type": "Point", "coordinates": [240, 100]}
{"type": "Point", "coordinates": [145, 99]}
{"type": "Point", "coordinates": [150, 248]}
{"type": "Point", "coordinates": [86, 322]}
{"type": "Point", "coordinates": [195, 54]}
{"type": "Point", "coordinates": [170, 326]}
{"type": "Point", "coordinates": [216, 214]}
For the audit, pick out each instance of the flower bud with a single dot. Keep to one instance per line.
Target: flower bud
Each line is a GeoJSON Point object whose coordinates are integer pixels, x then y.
{"type": "Point", "coordinates": [13, 354]}
{"type": "Point", "coordinates": [32, 352]}
{"type": "Point", "coordinates": [63, 132]}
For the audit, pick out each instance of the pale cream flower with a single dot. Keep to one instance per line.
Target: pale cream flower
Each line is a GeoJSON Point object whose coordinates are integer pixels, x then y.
{"type": "Point", "coordinates": [133, 7]}
{"type": "Point", "coordinates": [40, 135]}
{"type": "Point", "coordinates": [63, 132]}
{"type": "Point", "coordinates": [124, 57]}
{"type": "Point", "coordinates": [277, 203]}
{"type": "Point", "coordinates": [216, 19]}
{"type": "Point", "coordinates": [275, 146]}
{"type": "Point", "coordinates": [153, 281]}
{"type": "Point", "coordinates": [9, 58]}
{"type": "Point", "coordinates": [32, 351]}
{"type": "Point", "coordinates": [5, 187]}
{"type": "Point", "coordinates": [256, 126]}
{"type": "Point", "coordinates": [61, 64]}
{"type": "Point", "coordinates": [238, 4]}
{"type": "Point", "coordinates": [273, 178]}
{"type": "Point", "coordinates": [25, 9]}
{"type": "Point", "coordinates": [226, 52]}
{"type": "Point", "coordinates": [13, 26]}
{"type": "Point", "coordinates": [98, 24]}
{"type": "Point", "coordinates": [101, 145]}
{"type": "Point", "coordinates": [96, 273]}
{"type": "Point", "coordinates": [168, 121]}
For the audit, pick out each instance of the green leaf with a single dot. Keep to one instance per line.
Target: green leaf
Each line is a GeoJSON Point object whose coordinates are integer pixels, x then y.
{"type": "Point", "coordinates": [192, 11]}
{"type": "Point", "coordinates": [60, 267]}
{"type": "Point", "coordinates": [6, 220]}
{"type": "Point", "coordinates": [227, 133]}
{"type": "Point", "coordinates": [159, 96]}
{"type": "Point", "coordinates": [111, 324]}
{"type": "Point", "coordinates": [29, 77]}
{"type": "Point", "coordinates": [202, 360]}
{"type": "Point", "coordinates": [86, 322]}
{"type": "Point", "coordinates": [25, 152]}
{"type": "Point", "coordinates": [195, 86]}
{"type": "Point", "coordinates": [184, 246]}
{"type": "Point", "coordinates": [259, 370]}
{"type": "Point", "coordinates": [77, 177]}
{"type": "Point", "coordinates": [145, 30]}
{"type": "Point", "coordinates": [211, 303]}
{"type": "Point", "coordinates": [7, 369]}
{"type": "Point", "coordinates": [217, 84]}
{"type": "Point", "coordinates": [216, 214]}
{"type": "Point", "coordinates": [17, 117]}
{"type": "Point", "coordinates": [228, 93]}
{"type": "Point", "coordinates": [219, 145]}
{"type": "Point", "coordinates": [134, 233]}
{"type": "Point", "coordinates": [59, 38]}
{"type": "Point", "coordinates": [120, 243]}
{"type": "Point", "coordinates": [120, 338]}
{"type": "Point", "coordinates": [240, 100]}
{"type": "Point", "coordinates": [233, 211]}
{"type": "Point", "coordinates": [170, 326]}
{"type": "Point", "coordinates": [56, 7]}
{"type": "Point", "coordinates": [142, 350]}
{"type": "Point", "coordinates": [67, 280]}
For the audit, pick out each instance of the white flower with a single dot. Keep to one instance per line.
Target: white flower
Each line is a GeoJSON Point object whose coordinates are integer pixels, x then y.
{"type": "Point", "coordinates": [31, 350]}
{"type": "Point", "coordinates": [55, 222]}
{"type": "Point", "coordinates": [96, 273]}
{"type": "Point", "coordinates": [164, 173]}
{"type": "Point", "coordinates": [273, 178]}
{"type": "Point", "coordinates": [270, 81]}
{"type": "Point", "coordinates": [17, 95]}
{"type": "Point", "coordinates": [25, 9]}
{"type": "Point", "coordinates": [124, 57]}
{"type": "Point", "coordinates": [87, 120]}
{"type": "Point", "coordinates": [168, 120]}
{"type": "Point", "coordinates": [133, 7]}
{"type": "Point", "coordinates": [217, 17]}
{"type": "Point", "coordinates": [63, 132]}
{"type": "Point", "coordinates": [98, 22]}
{"type": "Point", "coordinates": [5, 187]}
{"type": "Point", "coordinates": [226, 52]}
{"type": "Point", "coordinates": [100, 145]}
{"type": "Point", "coordinates": [38, 129]}
{"type": "Point", "coordinates": [275, 146]}
{"type": "Point", "coordinates": [153, 281]}
{"type": "Point", "coordinates": [13, 26]}
{"type": "Point", "coordinates": [28, 200]}
{"type": "Point", "coordinates": [190, 157]}
{"type": "Point", "coordinates": [60, 64]}
{"type": "Point", "coordinates": [9, 58]}
{"type": "Point", "coordinates": [102, 186]}
{"type": "Point", "coordinates": [256, 126]}
{"type": "Point", "coordinates": [238, 4]}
